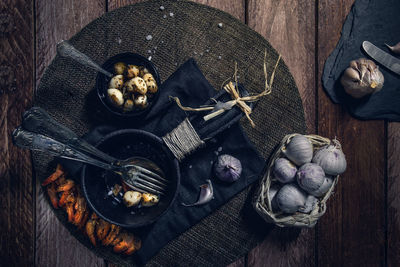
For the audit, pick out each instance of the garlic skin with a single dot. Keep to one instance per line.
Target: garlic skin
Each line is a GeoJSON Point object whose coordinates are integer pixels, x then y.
{"type": "Point", "coordinates": [299, 150]}
{"type": "Point", "coordinates": [362, 78]}
{"type": "Point", "coordinates": [227, 168]}
{"type": "Point", "coordinates": [310, 177]}
{"type": "Point", "coordinates": [331, 159]}
{"type": "Point", "coordinates": [115, 96]}
{"type": "Point", "coordinates": [284, 170]}
{"type": "Point", "coordinates": [395, 49]}
{"type": "Point", "coordinates": [311, 201]}
{"type": "Point", "coordinates": [290, 198]}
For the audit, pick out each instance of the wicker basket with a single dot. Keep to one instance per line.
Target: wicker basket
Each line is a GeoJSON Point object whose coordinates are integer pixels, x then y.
{"type": "Point", "coordinates": [262, 203]}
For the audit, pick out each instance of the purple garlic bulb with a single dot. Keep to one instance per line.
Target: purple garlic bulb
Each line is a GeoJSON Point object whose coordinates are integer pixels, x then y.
{"type": "Point", "coordinates": [310, 177]}
{"type": "Point", "coordinates": [227, 168]}
{"type": "Point", "coordinates": [284, 170]}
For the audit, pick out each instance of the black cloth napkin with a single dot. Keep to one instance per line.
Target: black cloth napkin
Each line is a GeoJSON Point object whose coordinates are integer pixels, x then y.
{"type": "Point", "coordinates": [376, 21]}
{"type": "Point", "coordinates": [193, 89]}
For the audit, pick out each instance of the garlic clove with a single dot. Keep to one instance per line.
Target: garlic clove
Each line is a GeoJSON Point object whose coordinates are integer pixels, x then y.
{"type": "Point", "coordinates": [310, 177]}
{"type": "Point", "coordinates": [310, 204]}
{"type": "Point", "coordinates": [284, 170]}
{"type": "Point", "coordinates": [132, 71]}
{"type": "Point", "coordinates": [141, 101]}
{"type": "Point", "coordinates": [139, 85]}
{"type": "Point", "coordinates": [116, 82]}
{"type": "Point", "coordinates": [115, 97]}
{"type": "Point", "coordinates": [273, 190]}
{"type": "Point", "coordinates": [119, 68]}
{"type": "Point", "coordinates": [290, 198]}
{"type": "Point", "coordinates": [128, 106]}
{"type": "Point", "coordinates": [299, 150]}
{"type": "Point", "coordinates": [361, 78]}
{"type": "Point", "coordinates": [331, 159]}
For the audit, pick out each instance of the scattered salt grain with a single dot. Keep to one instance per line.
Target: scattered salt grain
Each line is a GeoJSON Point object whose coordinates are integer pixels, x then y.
{"type": "Point", "coordinates": [149, 51]}
{"type": "Point", "coordinates": [211, 162]}
{"type": "Point", "coordinates": [155, 47]}
{"type": "Point", "coordinates": [149, 37]}
{"type": "Point", "coordinates": [219, 57]}
{"type": "Point", "coordinates": [220, 25]}
{"type": "Point", "coordinates": [208, 50]}
{"type": "Point", "coordinates": [162, 8]}
{"type": "Point", "coordinates": [162, 41]}
{"type": "Point", "coordinates": [176, 64]}
{"type": "Point", "coordinates": [219, 149]}
{"type": "Point", "coordinates": [201, 53]}
{"type": "Point", "coordinates": [216, 153]}
{"type": "Point", "coordinates": [165, 16]}
{"type": "Point", "coordinates": [149, 58]}
{"type": "Point", "coordinates": [119, 41]}
{"type": "Point", "coordinates": [195, 52]}
{"type": "Point", "coordinates": [171, 14]}
{"type": "Point", "coordinates": [190, 166]}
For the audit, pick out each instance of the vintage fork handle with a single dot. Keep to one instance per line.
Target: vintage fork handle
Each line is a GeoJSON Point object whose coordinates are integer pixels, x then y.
{"type": "Point", "coordinates": [39, 142]}
{"type": "Point", "coordinates": [37, 120]}
{"type": "Point", "coordinates": [65, 49]}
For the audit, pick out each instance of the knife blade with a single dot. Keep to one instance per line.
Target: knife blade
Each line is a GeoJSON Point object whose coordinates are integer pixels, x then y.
{"type": "Point", "coordinates": [382, 57]}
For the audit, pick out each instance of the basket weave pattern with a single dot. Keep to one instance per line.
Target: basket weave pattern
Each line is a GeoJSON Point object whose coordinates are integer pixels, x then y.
{"type": "Point", "coordinates": [262, 202]}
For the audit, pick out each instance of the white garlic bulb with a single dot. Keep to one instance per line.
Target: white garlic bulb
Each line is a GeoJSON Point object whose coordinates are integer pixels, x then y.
{"type": "Point", "coordinates": [132, 71]}
{"type": "Point", "coordinates": [311, 202]}
{"type": "Point", "coordinates": [115, 97]}
{"type": "Point", "coordinates": [290, 198]}
{"type": "Point", "coordinates": [116, 82]}
{"type": "Point", "coordinates": [299, 150]}
{"type": "Point", "coordinates": [310, 177]}
{"type": "Point", "coordinates": [284, 170]}
{"type": "Point", "coordinates": [361, 78]}
{"type": "Point", "coordinates": [331, 159]}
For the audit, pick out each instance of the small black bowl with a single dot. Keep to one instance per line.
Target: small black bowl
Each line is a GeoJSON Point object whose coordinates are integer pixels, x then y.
{"type": "Point", "coordinates": [123, 144]}
{"type": "Point", "coordinates": [102, 82]}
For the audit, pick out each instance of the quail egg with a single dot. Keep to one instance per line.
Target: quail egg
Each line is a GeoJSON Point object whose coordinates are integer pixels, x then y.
{"type": "Point", "coordinates": [119, 68]}
{"type": "Point", "coordinates": [117, 81]}
{"type": "Point", "coordinates": [132, 71]}
{"type": "Point", "coordinates": [141, 101]}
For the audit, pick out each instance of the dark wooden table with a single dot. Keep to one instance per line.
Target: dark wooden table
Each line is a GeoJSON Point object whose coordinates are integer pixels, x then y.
{"type": "Point", "coordinates": [362, 224]}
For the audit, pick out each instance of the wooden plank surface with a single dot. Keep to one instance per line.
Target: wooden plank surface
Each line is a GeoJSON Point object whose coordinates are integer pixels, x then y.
{"type": "Point", "coordinates": [55, 21]}
{"type": "Point", "coordinates": [290, 28]}
{"type": "Point", "coordinates": [393, 195]}
{"type": "Point", "coordinates": [16, 84]}
{"type": "Point", "coordinates": [352, 232]}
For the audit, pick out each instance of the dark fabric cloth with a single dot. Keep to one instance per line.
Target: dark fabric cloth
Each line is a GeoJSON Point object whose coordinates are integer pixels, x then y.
{"type": "Point", "coordinates": [67, 92]}
{"type": "Point", "coordinates": [190, 85]}
{"type": "Point", "coordinates": [376, 21]}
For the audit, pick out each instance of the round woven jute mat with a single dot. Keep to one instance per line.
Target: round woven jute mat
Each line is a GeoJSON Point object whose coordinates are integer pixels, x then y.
{"type": "Point", "coordinates": [66, 91]}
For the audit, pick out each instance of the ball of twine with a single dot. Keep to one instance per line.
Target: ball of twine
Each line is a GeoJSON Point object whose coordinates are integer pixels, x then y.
{"type": "Point", "coordinates": [262, 202]}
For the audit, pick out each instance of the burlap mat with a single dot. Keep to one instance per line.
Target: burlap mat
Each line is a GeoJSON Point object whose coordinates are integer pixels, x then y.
{"type": "Point", "coordinates": [191, 30]}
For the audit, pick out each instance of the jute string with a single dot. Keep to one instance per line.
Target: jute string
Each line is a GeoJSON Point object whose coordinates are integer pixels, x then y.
{"type": "Point", "coordinates": [183, 140]}
{"type": "Point", "coordinates": [230, 87]}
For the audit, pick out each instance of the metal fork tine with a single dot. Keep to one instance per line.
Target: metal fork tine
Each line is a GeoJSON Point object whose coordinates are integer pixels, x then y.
{"type": "Point", "coordinates": [146, 171]}
{"type": "Point", "coordinates": [145, 189]}
{"type": "Point", "coordinates": [144, 182]}
{"type": "Point", "coordinates": [150, 179]}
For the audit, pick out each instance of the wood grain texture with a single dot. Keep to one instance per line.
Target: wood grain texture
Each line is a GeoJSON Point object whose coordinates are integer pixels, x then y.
{"type": "Point", "coordinates": [16, 88]}
{"type": "Point", "coordinates": [352, 232]}
{"type": "Point", "coordinates": [55, 21]}
{"type": "Point", "coordinates": [393, 198]}
{"type": "Point", "coordinates": [290, 28]}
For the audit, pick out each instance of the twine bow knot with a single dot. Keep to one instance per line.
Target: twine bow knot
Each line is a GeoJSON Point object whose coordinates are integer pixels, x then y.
{"type": "Point", "coordinates": [233, 91]}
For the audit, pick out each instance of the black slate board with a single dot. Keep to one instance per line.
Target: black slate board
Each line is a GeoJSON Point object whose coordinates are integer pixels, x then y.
{"type": "Point", "coordinates": [376, 21]}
